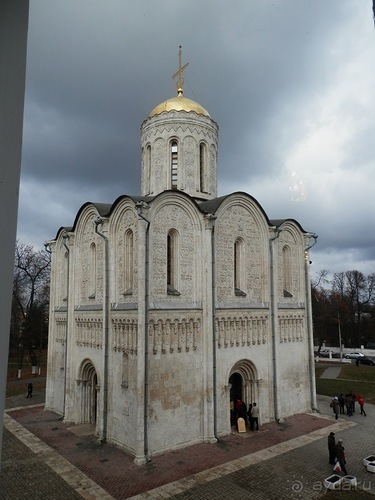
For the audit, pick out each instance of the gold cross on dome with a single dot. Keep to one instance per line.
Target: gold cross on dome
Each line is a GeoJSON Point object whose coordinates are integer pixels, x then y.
{"type": "Point", "coordinates": [180, 82]}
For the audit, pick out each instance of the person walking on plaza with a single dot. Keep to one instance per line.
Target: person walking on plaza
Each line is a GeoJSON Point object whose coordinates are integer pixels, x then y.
{"type": "Point", "coordinates": [361, 404]}
{"type": "Point", "coordinates": [255, 417]}
{"type": "Point", "coordinates": [335, 406]}
{"type": "Point", "coordinates": [340, 454]}
{"type": "Point", "coordinates": [332, 448]}
{"type": "Point", "coordinates": [29, 390]}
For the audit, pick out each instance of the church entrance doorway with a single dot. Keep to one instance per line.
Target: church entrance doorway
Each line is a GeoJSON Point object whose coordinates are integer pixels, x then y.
{"type": "Point", "coordinates": [89, 393]}
{"type": "Point", "coordinates": [243, 383]}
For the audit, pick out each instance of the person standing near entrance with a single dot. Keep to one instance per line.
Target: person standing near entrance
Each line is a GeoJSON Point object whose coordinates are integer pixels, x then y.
{"type": "Point", "coordinates": [251, 424]}
{"type": "Point", "coordinates": [255, 417]}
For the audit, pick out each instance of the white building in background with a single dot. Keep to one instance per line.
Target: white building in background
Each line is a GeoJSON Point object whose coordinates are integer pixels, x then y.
{"type": "Point", "coordinates": [167, 306]}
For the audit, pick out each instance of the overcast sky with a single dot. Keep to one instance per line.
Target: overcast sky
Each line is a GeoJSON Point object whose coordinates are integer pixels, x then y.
{"type": "Point", "coordinates": [291, 84]}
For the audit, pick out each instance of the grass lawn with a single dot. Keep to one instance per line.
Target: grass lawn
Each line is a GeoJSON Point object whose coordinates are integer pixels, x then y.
{"type": "Point", "coordinates": [21, 388]}
{"type": "Point", "coordinates": [351, 378]}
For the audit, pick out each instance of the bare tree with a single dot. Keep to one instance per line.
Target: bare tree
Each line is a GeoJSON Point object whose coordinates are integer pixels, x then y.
{"type": "Point", "coordinates": [30, 300]}
{"type": "Point", "coordinates": [353, 294]}
{"type": "Point", "coordinates": [348, 299]}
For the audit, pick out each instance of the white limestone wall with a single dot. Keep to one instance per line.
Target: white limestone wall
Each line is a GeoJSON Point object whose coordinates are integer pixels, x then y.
{"type": "Point", "coordinates": [58, 318]}
{"type": "Point", "coordinates": [239, 217]}
{"type": "Point", "coordinates": [291, 237]}
{"type": "Point", "coordinates": [51, 361]}
{"type": "Point", "coordinates": [56, 364]}
{"type": "Point", "coordinates": [294, 378]}
{"type": "Point", "coordinates": [189, 129]}
{"type": "Point", "coordinates": [292, 336]}
{"type": "Point", "coordinates": [123, 219]}
{"type": "Point", "coordinates": [122, 400]}
{"type": "Point", "coordinates": [181, 216]}
{"type": "Point", "coordinates": [74, 397]}
{"type": "Point", "coordinates": [180, 404]}
{"type": "Point", "coordinates": [175, 400]}
{"type": "Point", "coordinates": [85, 312]}
{"type": "Point", "coordinates": [247, 350]}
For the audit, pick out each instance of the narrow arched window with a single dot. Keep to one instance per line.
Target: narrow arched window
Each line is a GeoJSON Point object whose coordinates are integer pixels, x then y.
{"type": "Point", "coordinates": [239, 267]}
{"type": "Point", "coordinates": [170, 259]}
{"type": "Point", "coordinates": [172, 262]}
{"type": "Point", "coordinates": [66, 277]}
{"type": "Point", "coordinates": [287, 272]}
{"type": "Point", "coordinates": [148, 167]}
{"type": "Point", "coordinates": [128, 261]}
{"type": "Point", "coordinates": [174, 164]}
{"type": "Point", "coordinates": [92, 271]}
{"type": "Point", "coordinates": [203, 167]}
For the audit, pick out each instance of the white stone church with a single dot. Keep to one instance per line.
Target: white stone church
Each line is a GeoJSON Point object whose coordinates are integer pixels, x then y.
{"type": "Point", "coordinates": [167, 306]}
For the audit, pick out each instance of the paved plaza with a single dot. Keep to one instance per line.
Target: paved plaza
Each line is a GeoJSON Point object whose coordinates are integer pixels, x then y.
{"type": "Point", "coordinates": [45, 458]}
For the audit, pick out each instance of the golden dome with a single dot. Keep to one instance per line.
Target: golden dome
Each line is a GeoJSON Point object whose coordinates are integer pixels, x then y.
{"type": "Point", "coordinates": [179, 103]}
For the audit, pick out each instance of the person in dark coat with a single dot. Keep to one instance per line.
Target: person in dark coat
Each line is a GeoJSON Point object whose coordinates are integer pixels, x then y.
{"type": "Point", "coordinates": [332, 448]}
{"type": "Point", "coordinates": [243, 412]}
{"type": "Point", "coordinates": [251, 422]}
{"type": "Point", "coordinates": [30, 390]}
{"type": "Point", "coordinates": [340, 454]}
{"type": "Point", "coordinates": [342, 404]}
{"type": "Point", "coordinates": [348, 404]}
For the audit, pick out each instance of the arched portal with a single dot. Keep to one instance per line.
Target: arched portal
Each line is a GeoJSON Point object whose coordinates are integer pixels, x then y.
{"type": "Point", "coordinates": [235, 381]}
{"type": "Point", "coordinates": [243, 383]}
{"type": "Point", "coordinates": [88, 383]}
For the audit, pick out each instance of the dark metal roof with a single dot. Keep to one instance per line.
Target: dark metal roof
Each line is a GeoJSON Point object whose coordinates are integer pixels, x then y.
{"type": "Point", "coordinates": [208, 206]}
{"type": "Point", "coordinates": [279, 222]}
{"type": "Point", "coordinates": [211, 206]}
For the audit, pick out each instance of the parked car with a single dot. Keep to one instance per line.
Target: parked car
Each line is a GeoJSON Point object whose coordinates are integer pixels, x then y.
{"type": "Point", "coordinates": [354, 355]}
{"type": "Point", "coordinates": [367, 360]}
{"type": "Point", "coordinates": [324, 353]}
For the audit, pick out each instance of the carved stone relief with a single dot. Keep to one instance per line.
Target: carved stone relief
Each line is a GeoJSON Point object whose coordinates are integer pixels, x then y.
{"type": "Point", "coordinates": [89, 332]}
{"type": "Point", "coordinates": [60, 329]}
{"type": "Point", "coordinates": [291, 328]}
{"type": "Point", "coordinates": [174, 335]}
{"type": "Point", "coordinates": [125, 331]}
{"type": "Point", "coordinates": [235, 331]}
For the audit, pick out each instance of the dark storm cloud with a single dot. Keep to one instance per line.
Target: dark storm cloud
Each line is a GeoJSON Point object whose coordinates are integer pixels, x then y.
{"type": "Point", "coordinates": [261, 68]}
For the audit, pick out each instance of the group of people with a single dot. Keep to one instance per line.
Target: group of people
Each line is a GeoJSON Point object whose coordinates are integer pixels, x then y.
{"type": "Point", "coordinates": [347, 402]}
{"type": "Point", "coordinates": [336, 452]}
{"type": "Point", "coordinates": [250, 414]}
{"type": "Point", "coordinates": [343, 404]}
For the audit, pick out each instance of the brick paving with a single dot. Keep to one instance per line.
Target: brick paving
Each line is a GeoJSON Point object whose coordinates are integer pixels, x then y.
{"type": "Point", "coordinates": [279, 461]}
{"type": "Point", "coordinates": [106, 464]}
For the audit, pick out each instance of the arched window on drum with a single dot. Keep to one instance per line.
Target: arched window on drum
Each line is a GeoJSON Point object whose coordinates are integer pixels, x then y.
{"type": "Point", "coordinates": [174, 164]}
